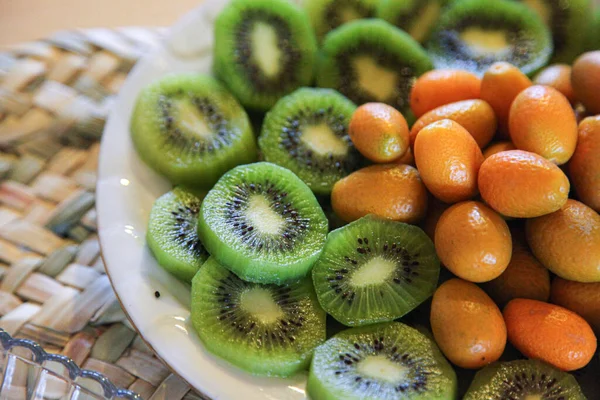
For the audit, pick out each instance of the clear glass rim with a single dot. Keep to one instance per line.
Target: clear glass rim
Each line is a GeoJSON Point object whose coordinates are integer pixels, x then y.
{"type": "Point", "coordinates": [73, 371]}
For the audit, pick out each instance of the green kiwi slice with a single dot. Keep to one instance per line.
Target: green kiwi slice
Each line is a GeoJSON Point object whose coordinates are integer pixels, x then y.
{"type": "Point", "coordinates": [172, 236]}
{"type": "Point", "coordinates": [416, 17]}
{"type": "Point", "coordinates": [357, 52]}
{"type": "Point", "coordinates": [307, 132]}
{"type": "Point", "coordinates": [473, 34]}
{"type": "Point", "coordinates": [326, 15]}
{"type": "Point", "coordinates": [263, 223]}
{"type": "Point", "coordinates": [264, 329]}
{"type": "Point", "coordinates": [568, 21]}
{"type": "Point", "coordinates": [190, 129]}
{"type": "Point", "coordinates": [264, 49]}
{"type": "Point", "coordinates": [385, 361]}
{"type": "Point", "coordinates": [375, 270]}
{"type": "Point", "coordinates": [523, 379]}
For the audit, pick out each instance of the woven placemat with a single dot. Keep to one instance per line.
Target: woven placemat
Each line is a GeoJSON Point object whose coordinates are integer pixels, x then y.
{"type": "Point", "coordinates": [55, 95]}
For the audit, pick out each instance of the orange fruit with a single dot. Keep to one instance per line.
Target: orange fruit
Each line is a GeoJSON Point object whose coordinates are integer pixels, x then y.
{"type": "Point", "coordinates": [501, 83]}
{"type": "Point", "coordinates": [379, 132]}
{"type": "Point", "coordinates": [521, 184]}
{"type": "Point", "coordinates": [497, 148]}
{"type": "Point", "coordinates": [557, 76]}
{"type": "Point", "coordinates": [567, 242]}
{"type": "Point", "coordinates": [525, 277]}
{"type": "Point", "coordinates": [466, 324]}
{"type": "Point", "coordinates": [476, 116]}
{"type": "Point", "coordinates": [550, 333]}
{"type": "Point", "coordinates": [392, 191]}
{"type": "Point", "coordinates": [473, 241]}
{"type": "Point", "coordinates": [585, 78]}
{"type": "Point", "coordinates": [584, 166]}
{"type": "Point", "coordinates": [581, 298]}
{"type": "Point", "coordinates": [442, 86]}
{"type": "Point", "coordinates": [542, 121]}
{"type": "Point", "coordinates": [448, 159]}
{"type": "Point", "coordinates": [435, 209]}
{"type": "Point", "coordinates": [408, 158]}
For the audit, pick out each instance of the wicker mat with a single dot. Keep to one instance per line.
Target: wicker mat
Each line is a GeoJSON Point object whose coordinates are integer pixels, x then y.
{"type": "Point", "coordinates": [54, 97]}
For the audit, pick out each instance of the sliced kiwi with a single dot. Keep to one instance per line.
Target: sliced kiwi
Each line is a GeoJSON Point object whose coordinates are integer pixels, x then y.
{"type": "Point", "coordinates": [264, 49]}
{"type": "Point", "coordinates": [523, 379]}
{"type": "Point", "coordinates": [473, 34]}
{"type": "Point", "coordinates": [416, 17]}
{"type": "Point", "coordinates": [307, 132]}
{"type": "Point", "coordinates": [375, 270]}
{"type": "Point", "coordinates": [371, 60]}
{"type": "Point", "coordinates": [568, 21]}
{"type": "Point", "coordinates": [172, 235]}
{"type": "Point", "coordinates": [385, 361]}
{"type": "Point", "coordinates": [190, 129]}
{"type": "Point", "coordinates": [264, 329]}
{"type": "Point", "coordinates": [326, 15]}
{"type": "Point", "coordinates": [263, 223]}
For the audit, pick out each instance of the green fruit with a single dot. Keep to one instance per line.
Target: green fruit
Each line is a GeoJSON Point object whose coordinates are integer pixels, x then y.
{"type": "Point", "coordinates": [307, 132]}
{"type": "Point", "coordinates": [326, 15]}
{"type": "Point", "coordinates": [264, 49]}
{"type": "Point", "coordinates": [523, 379]}
{"type": "Point", "coordinates": [190, 129]}
{"type": "Point", "coordinates": [473, 34]}
{"type": "Point", "coordinates": [263, 223]}
{"type": "Point", "coordinates": [416, 17]}
{"type": "Point", "coordinates": [357, 52]}
{"type": "Point", "coordinates": [380, 362]}
{"type": "Point", "coordinates": [172, 236]}
{"type": "Point", "coordinates": [375, 270]}
{"type": "Point", "coordinates": [568, 21]}
{"type": "Point", "coordinates": [264, 329]}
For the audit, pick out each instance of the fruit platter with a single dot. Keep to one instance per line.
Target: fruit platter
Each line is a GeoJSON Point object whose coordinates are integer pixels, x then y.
{"type": "Point", "coordinates": [363, 199]}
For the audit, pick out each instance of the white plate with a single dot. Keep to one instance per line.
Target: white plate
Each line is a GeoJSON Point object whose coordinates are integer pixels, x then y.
{"type": "Point", "coordinates": [126, 190]}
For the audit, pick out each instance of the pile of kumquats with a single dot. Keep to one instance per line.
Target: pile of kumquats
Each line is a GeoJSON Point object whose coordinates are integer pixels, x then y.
{"type": "Point", "coordinates": [504, 173]}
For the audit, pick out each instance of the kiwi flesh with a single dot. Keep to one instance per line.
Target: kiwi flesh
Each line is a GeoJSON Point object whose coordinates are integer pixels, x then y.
{"type": "Point", "coordinates": [268, 330]}
{"type": "Point", "coordinates": [264, 49]}
{"type": "Point", "coordinates": [190, 129]}
{"type": "Point", "coordinates": [172, 236]}
{"type": "Point", "coordinates": [568, 21]}
{"type": "Point", "coordinates": [473, 34]}
{"type": "Point", "coordinates": [326, 15]}
{"type": "Point", "coordinates": [307, 132]}
{"type": "Point", "coordinates": [523, 379]}
{"type": "Point", "coordinates": [263, 223]}
{"type": "Point", "coordinates": [384, 361]}
{"type": "Point", "coordinates": [374, 270]}
{"type": "Point", "coordinates": [356, 52]}
{"type": "Point", "coordinates": [416, 17]}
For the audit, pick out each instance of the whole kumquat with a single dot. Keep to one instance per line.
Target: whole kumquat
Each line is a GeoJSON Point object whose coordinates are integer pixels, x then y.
{"type": "Point", "coordinates": [584, 166]}
{"type": "Point", "coordinates": [476, 116]}
{"type": "Point", "coordinates": [379, 132]}
{"type": "Point", "coordinates": [557, 76]}
{"type": "Point", "coordinates": [501, 83]}
{"type": "Point", "coordinates": [443, 86]}
{"type": "Point", "coordinates": [567, 241]}
{"type": "Point", "coordinates": [392, 191]}
{"type": "Point", "coordinates": [585, 78]}
{"type": "Point", "coordinates": [470, 336]}
{"type": "Point", "coordinates": [542, 121]}
{"type": "Point", "coordinates": [521, 184]}
{"type": "Point", "coordinates": [473, 241]}
{"type": "Point", "coordinates": [581, 298]}
{"type": "Point", "coordinates": [550, 333]}
{"type": "Point", "coordinates": [448, 159]}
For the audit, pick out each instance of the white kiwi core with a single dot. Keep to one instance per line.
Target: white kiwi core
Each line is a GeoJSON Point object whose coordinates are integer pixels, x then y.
{"type": "Point", "coordinates": [382, 368]}
{"type": "Point", "coordinates": [260, 304]}
{"type": "Point", "coordinates": [377, 81]}
{"type": "Point", "coordinates": [321, 139]}
{"type": "Point", "coordinates": [262, 216]}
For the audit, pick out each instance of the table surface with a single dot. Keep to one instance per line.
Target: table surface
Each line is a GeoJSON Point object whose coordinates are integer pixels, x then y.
{"type": "Point", "coordinates": [24, 20]}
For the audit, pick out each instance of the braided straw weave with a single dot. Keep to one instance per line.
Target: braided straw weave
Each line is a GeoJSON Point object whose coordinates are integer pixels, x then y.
{"type": "Point", "coordinates": [54, 97]}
